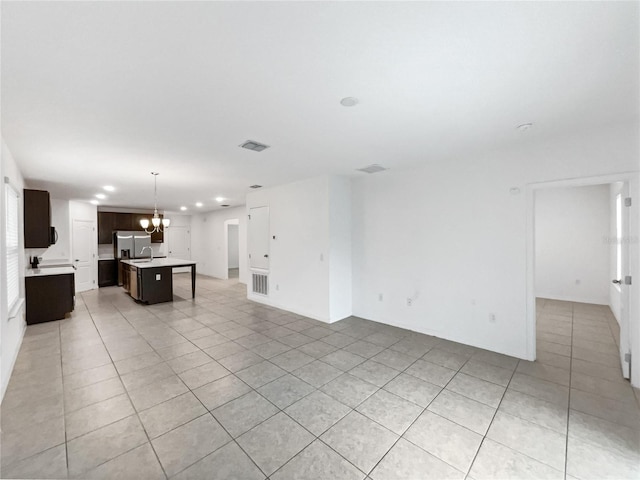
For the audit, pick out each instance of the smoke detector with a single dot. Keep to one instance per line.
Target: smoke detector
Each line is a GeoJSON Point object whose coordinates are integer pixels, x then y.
{"type": "Point", "coordinates": [255, 146]}
{"type": "Point", "coordinates": [375, 168]}
{"type": "Point", "coordinates": [349, 102]}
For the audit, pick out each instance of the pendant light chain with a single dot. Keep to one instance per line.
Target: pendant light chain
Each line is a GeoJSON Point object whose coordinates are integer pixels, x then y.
{"type": "Point", "coordinates": [156, 222]}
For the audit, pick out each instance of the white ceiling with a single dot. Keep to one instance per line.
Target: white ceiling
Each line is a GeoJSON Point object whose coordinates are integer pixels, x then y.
{"type": "Point", "coordinates": [97, 93]}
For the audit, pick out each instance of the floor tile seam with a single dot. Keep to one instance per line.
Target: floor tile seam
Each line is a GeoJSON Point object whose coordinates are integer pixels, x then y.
{"type": "Point", "coordinates": [633, 402]}
{"type": "Point", "coordinates": [566, 447]}
{"type": "Point", "coordinates": [549, 351]}
{"type": "Point", "coordinates": [412, 423]}
{"type": "Point", "coordinates": [14, 463]}
{"type": "Point", "coordinates": [64, 408]}
{"type": "Point", "coordinates": [66, 412]}
{"type": "Point", "coordinates": [635, 456]}
{"type": "Point", "coordinates": [326, 445]}
{"type": "Point", "coordinates": [134, 409]}
{"type": "Point", "coordinates": [484, 436]}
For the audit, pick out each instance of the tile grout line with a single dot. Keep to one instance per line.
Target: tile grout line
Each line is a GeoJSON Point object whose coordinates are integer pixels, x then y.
{"type": "Point", "coordinates": [566, 447]}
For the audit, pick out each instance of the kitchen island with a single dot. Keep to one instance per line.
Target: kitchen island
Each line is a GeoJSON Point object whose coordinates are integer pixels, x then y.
{"type": "Point", "coordinates": [151, 280]}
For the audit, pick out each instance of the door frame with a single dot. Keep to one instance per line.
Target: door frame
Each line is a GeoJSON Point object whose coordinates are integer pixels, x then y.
{"type": "Point", "coordinates": [633, 313]}
{"type": "Point", "coordinates": [94, 253]}
{"type": "Point", "coordinates": [231, 221]}
{"type": "Point", "coordinates": [168, 250]}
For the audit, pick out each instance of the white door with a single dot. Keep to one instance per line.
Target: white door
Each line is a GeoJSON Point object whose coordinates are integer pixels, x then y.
{"type": "Point", "coordinates": [84, 254]}
{"type": "Point", "coordinates": [180, 245]}
{"type": "Point", "coordinates": [622, 276]}
{"type": "Point", "coordinates": [258, 240]}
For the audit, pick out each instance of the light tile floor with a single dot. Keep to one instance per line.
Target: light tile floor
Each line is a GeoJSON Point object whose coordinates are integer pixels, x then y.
{"type": "Point", "coordinates": [222, 388]}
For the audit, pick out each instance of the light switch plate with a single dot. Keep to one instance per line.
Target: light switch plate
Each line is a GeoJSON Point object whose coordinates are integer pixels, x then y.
{"type": "Point", "coordinates": [158, 276]}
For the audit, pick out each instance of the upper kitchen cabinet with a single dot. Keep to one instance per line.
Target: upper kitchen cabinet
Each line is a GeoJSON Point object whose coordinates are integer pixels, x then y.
{"type": "Point", "coordinates": [37, 219]}
{"type": "Point", "coordinates": [109, 222]}
{"type": "Point", "coordinates": [105, 227]}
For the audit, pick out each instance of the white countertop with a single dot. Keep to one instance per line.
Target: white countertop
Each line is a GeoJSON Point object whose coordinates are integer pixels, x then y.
{"type": "Point", "coordinates": [159, 262]}
{"type": "Point", "coordinates": [43, 272]}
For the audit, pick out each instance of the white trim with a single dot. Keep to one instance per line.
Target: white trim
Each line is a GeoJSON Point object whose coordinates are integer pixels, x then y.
{"type": "Point", "coordinates": [5, 381]}
{"type": "Point", "coordinates": [17, 306]}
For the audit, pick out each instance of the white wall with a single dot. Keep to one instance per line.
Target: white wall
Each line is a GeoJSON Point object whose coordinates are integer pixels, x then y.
{"type": "Point", "coordinates": [209, 242]}
{"type": "Point", "coordinates": [11, 329]}
{"type": "Point", "coordinates": [233, 257]}
{"type": "Point", "coordinates": [450, 236]}
{"type": "Point", "coordinates": [340, 242]}
{"type": "Point", "coordinates": [310, 257]}
{"type": "Point", "coordinates": [572, 253]}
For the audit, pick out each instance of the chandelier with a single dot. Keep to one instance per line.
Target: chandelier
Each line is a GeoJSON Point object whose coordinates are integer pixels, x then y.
{"type": "Point", "coordinates": [156, 221]}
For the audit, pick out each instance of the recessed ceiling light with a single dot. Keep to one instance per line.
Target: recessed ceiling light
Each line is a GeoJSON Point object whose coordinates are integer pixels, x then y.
{"type": "Point", "coordinates": [524, 127]}
{"type": "Point", "coordinates": [224, 205]}
{"type": "Point", "coordinates": [255, 186]}
{"type": "Point", "coordinates": [94, 202]}
{"type": "Point", "coordinates": [109, 188]}
{"type": "Point", "coordinates": [101, 196]}
{"type": "Point", "coordinates": [219, 199]}
{"type": "Point", "coordinates": [183, 208]}
{"type": "Point", "coordinates": [198, 204]}
{"type": "Point", "coordinates": [349, 102]}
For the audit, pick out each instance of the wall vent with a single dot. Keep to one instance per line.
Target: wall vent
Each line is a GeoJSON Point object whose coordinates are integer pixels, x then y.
{"type": "Point", "coordinates": [375, 168]}
{"type": "Point", "coordinates": [255, 146]}
{"type": "Point", "coordinates": [255, 186]}
{"type": "Point", "coordinates": [260, 284]}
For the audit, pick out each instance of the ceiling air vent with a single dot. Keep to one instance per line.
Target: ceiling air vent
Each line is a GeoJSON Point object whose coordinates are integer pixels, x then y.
{"type": "Point", "coordinates": [255, 186]}
{"type": "Point", "coordinates": [375, 168]}
{"type": "Point", "coordinates": [255, 146]}
{"type": "Point", "coordinates": [225, 205]}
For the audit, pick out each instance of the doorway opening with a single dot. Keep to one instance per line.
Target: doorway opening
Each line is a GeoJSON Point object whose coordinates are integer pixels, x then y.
{"type": "Point", "coordinates": [579, 257]}
{"type": "Point", "coordinates": [233, 248]}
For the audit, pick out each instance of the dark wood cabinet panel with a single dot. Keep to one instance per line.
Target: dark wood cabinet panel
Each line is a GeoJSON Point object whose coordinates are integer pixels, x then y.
{"type": "Point", "coordinates": [107, 273]}
{"type": "Point", "coordinates": [105, 227]}
{"type": "Point", "coordinates": [109, 222]}
{"type": "Point", "coordinates": [37, 219]}
{"type": "Point", "coordinates": [122, 221]}
{"type": "Point", "coordinates": [49, 297]}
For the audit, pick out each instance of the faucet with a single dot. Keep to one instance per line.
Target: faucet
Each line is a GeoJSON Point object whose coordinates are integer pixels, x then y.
{"type": "Point", "coordinates": [150, 250]}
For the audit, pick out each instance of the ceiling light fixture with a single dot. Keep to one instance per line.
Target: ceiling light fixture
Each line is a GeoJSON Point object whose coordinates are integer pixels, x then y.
{"type": "Point", "coordinates": [524, 127]}
{"type": "Point", "coordinates": [156, 221]}
{"type": "Point", "coordinates": [219, 199]}
{"type": "Point", "coordinates": [109, 188]}
{"type": "Point", "coordinates": [93, 202]}
{"type": "Point", "coordinates": [101, 196]}
{"type": "Point", "coordinates": [349, 102]}
{"type": "Point", "coordinates": [198, 204]}
{"type": "Point", "coordinates": [183, 208]}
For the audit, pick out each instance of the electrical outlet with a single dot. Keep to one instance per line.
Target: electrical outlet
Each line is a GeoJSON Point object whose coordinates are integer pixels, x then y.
{"type": "Point", "coordinates": [409, 302]}
{"type": "Point", "coordinates": [380, 297]}
{"type": "Point", "coordinates": [492, 318]}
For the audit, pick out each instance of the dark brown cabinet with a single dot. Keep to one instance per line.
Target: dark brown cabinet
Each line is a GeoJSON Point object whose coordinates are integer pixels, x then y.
{"type": "Point", "coordinates": [107, 273]}
{"type": "Point", "coordinates": [109, 222]}
{"type": "Point", "coordinates": [37, 219]}
{"type": "Point", "coordinates": [49, 297]}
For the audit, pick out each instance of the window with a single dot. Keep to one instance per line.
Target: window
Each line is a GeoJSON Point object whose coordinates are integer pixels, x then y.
{"type": "Point", "coordinates": [619, 236]}
{"type": "Point", "coordinates": [13, 251]}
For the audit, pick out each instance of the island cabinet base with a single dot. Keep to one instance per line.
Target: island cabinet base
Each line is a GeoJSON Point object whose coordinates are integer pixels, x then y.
{"type": "Point", "coordinates": [155, 285]}
{"type": "Point", "coordinates": [49, 297]}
